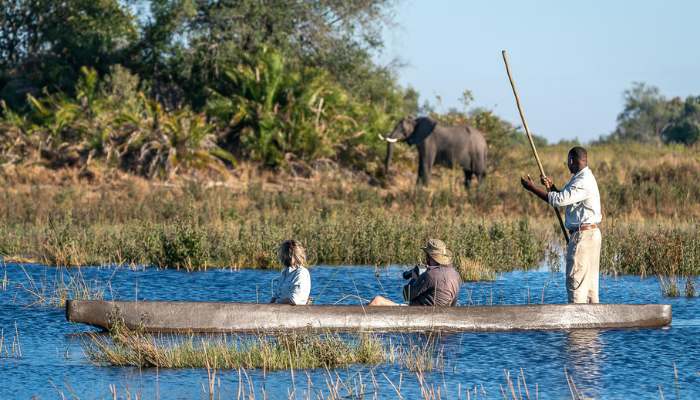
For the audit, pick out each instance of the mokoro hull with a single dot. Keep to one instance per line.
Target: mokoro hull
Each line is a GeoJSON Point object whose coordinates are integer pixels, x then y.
{"type": "Point", "coordinates": [176, 316]}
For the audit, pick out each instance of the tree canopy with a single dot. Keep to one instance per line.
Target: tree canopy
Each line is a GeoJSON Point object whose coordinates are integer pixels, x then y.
{"type": "Point", "coordinates": [265, 80]}
{"type": "Point", "coordinates": [650, 117]}
{"type": "Point", "coordinates": [179, 48]}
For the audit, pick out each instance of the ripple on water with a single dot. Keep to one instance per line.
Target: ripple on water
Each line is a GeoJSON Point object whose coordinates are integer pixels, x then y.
{"type": "Point", "coordinates": [603, 363]}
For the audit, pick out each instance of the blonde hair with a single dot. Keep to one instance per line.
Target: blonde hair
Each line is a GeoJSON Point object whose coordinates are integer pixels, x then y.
{"type": "Point", "coordinates": [291, 254]}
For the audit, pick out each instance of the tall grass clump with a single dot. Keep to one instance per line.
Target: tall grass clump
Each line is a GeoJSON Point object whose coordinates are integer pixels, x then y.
{"type": "Point", "coordinates": [670, 286]}
{"type": "Point", "coordinates": [292, 351]}
{"type": "Point", "coordinates": [297, 350]}
{"type": "Point", "coordinates": [669, 251]}
{"type": "Point", "coordinates": [672, 253]}
{"type": "Point", "coordinates": [182, 246]}
{"type": "Point", "coordinates": [62, 244]}
{"type": "Point", "coordinates": [473, 271]}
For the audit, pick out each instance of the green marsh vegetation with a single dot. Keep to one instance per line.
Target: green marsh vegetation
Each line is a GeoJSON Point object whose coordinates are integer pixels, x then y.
{"type": "Point", "coordinates": [226, 229]}
{"type": "Point", "coordinates": [669, 249]}
{"type": "Point", "coordinates": [290, 351]}
{"type": "Point", "coordinates": [342, 219]}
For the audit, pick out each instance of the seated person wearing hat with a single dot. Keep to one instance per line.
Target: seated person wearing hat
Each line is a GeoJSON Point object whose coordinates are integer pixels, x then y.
{"type": "Point", "coordinates": [435, 284]}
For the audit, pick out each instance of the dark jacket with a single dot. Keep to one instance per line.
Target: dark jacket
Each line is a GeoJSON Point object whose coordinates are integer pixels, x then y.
{"type": "Point", "coordinates": [437, 286]}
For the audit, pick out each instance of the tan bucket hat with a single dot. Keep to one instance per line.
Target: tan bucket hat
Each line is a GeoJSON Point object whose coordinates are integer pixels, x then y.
{"type": "Point", "coordinates": [437, 250]}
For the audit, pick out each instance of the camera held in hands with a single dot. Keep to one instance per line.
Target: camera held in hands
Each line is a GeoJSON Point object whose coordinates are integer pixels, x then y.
{"type": "Point", "coordinates": [414, 272]}
{"type": "Point", "coordinates": [412, 275]}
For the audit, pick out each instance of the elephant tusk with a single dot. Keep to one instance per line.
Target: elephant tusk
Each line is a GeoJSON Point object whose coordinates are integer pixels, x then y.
{"type": "Point", "coordinates": [390, 140]}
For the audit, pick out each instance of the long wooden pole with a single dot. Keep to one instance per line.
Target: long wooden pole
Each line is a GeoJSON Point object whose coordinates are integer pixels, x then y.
{"type": "Point", "coordinates": [532, 142]}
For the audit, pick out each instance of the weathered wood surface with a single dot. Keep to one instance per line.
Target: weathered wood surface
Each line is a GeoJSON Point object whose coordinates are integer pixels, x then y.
{"type": "Point", "coordinates": [178, 316]}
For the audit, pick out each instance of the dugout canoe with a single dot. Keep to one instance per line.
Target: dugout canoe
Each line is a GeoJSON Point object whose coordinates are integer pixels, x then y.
{"type": "Point", "coordinates": [180, 316]}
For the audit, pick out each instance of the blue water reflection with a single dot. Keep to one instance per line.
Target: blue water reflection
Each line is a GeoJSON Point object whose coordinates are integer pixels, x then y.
{"type": "Point", "coordinates": [602, 364]}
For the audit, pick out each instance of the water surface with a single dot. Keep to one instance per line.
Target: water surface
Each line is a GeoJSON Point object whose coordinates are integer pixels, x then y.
{"type": "Point", "coordinates": [614, 364]}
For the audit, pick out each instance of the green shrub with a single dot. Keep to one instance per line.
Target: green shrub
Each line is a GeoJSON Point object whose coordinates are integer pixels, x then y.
{"type": "Point", "coordinates": [183, 247]}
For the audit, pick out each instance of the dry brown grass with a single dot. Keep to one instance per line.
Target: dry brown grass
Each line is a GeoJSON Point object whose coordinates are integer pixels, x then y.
{"type": "Point", "coordinates": [196, 220]}
{"type": "Point", "coordinates": [473, 271]}
{"type": "Point", "coordinates": [627, 171]}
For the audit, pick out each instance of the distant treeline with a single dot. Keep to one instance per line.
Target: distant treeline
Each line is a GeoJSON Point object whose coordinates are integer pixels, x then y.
{"type": "Point", "coordinates": [650, 117]}
{"type": "Point", "coordinates": [156, 87]}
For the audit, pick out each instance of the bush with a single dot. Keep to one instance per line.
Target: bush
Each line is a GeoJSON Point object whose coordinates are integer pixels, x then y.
{"type": "Point", "coordinates": [111, 122]}
{"type": "Point", "coordinates": [183, 246]}
{"type": "Point", "coordinates": [270, 108]}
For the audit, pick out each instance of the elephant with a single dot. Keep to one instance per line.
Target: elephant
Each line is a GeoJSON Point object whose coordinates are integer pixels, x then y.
{"type": "Point", "coordinates": [461, 145]}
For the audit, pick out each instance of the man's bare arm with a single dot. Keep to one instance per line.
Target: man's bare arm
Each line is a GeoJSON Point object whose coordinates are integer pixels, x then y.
{"type": "Point", "coordinates": [530, 186]}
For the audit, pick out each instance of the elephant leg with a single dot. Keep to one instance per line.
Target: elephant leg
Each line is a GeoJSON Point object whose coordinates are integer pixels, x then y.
{"type": "Point", "coordinates": [480, 177]}
{"type": "Point", "coordinates": [468, 178]}
{"type": "Point", "coordinates": [426, 159]}
{"type": "Point", "coordinates": [423, 172]}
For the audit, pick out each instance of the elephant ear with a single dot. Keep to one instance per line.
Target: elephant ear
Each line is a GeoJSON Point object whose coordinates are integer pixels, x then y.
{"type": "Point", "coordinates": [424, 127]}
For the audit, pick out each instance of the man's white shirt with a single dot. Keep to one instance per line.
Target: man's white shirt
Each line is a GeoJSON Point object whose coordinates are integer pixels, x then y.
{"type": "Point", "coordinates": [581, 198]}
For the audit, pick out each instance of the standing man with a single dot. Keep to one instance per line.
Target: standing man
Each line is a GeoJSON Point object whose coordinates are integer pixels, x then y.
{"type": "Point", "coordinates": [583, 214]}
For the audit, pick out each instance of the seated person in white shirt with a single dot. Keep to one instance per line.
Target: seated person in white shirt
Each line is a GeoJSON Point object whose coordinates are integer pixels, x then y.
{"type": "Point", "coordinates": [294, 282]}
{"type": "Point", "coordinates": [583, 214]}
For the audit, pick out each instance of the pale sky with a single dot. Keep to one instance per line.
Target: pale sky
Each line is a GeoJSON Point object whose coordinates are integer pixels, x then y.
{"type": "Point", "coordinates": [571, 61]}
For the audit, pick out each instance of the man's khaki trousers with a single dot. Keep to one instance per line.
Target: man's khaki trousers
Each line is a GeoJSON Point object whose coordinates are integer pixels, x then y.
{"type": "Point", "coordinates": [582, 265]}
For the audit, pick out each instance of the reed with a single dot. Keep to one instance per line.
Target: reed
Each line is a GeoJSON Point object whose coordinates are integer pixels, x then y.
{"type": "Point", "coordinates": [14, 348]}
{"type": "Point", "coordinates": [297, 350]}
{"type": "Point", "coordinates": [666, 248]}
{"type": "Point", "coordinates": [690, 287]}
{"type": "Point", "coordinates": [192, 222]}
{"type": "Point", "coordinates": [669, 286]}
{"type": "Point", "coordinates": [5, 282]}
{"type": "Point", "coordinates": [473, 271]}
{"type": "Point", "coordinates": [376, 237]}
{"type": "Point", "coordinates": [372, 385]}
{"type": "Point", "coordinates": [63, 286]}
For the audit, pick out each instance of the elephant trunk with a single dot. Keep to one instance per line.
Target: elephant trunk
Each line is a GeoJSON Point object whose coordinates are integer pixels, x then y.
{"type": "Point", "coordinates": [389, 151]}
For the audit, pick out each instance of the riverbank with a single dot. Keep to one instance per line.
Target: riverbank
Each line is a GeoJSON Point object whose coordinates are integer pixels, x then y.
{"type": "Point", "coordinates": [193, 222]}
